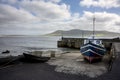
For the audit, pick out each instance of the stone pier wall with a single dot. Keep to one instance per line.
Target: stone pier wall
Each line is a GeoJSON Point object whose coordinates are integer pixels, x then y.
{"type": "Point", "coordinates": [71, 42]}
{"type": "Point", "coordinates": [78, 42]}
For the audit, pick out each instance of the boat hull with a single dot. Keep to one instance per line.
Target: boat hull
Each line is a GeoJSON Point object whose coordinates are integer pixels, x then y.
{"type": "Point", "coordinates": [92, 52]}
{"type": "Point", "coordinates": [92, 59]}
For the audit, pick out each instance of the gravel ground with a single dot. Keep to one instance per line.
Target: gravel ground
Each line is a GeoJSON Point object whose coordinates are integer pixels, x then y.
{"type": "Point", "coordinates": [44, 71]}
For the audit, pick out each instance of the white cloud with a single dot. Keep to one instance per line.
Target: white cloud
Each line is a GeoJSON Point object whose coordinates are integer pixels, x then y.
{"type": "Point", "coordinates": [15, 1]}
{"type": "Point", "coordinates": [10, 14]}
{"type": "Point", "coordinates": [47, 11]}
{"type": "Point", "coordinates": [35, 10]}
{"type": "Point", "coordinates": [101, 3]}
{"type": "Point", "coordinates": [101, 16]}
{"type": "Point", "coordinates": [55, 0]}
{"type": "Point", "coordinates": [44, 16]}
{"type": "Point", "coordinates": [36, 16]}
{"type": "Point", "coordinates": [104, 21]}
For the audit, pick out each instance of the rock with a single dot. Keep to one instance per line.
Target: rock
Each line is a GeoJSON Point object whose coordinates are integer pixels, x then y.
{"type": "Point", "coordinates": [6, 52]}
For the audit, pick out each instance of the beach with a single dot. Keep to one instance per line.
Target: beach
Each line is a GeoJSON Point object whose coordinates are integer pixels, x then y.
{"type": "Point", "coordinates": [68, 66]}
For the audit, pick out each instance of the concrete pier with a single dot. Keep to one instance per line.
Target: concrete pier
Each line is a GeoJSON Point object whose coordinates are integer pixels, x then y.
{"type": "Point", "coordinates": [70, 42]}
{"type": "Point", "coordinates": [77, 42]}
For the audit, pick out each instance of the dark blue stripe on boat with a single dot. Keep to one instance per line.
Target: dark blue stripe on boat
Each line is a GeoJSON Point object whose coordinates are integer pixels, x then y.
{"type": "Point", "coordinates": [101, 52]}
{"type": "Point", "coordinates": [85, 50]}
{"type": "Point", "coordinates": [90, 54]}
{"type": "Point", "coordinates": [94, 45]}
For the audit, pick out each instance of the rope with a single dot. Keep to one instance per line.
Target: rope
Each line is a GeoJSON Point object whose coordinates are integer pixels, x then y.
{"type": "Point", "coordinates": [6, 66]}
{"type": "Point", "coordinates": [7, 63]}
{"type": "Point", "coordinates": [112, 58]}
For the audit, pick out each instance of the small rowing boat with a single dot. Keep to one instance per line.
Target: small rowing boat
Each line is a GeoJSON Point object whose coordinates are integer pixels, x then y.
{"type": "Point", "coordinates": [33, 57]}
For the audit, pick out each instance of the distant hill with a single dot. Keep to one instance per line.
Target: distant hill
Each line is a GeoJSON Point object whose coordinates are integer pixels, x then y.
{"type": "Point", "coordinates": [79, 33]}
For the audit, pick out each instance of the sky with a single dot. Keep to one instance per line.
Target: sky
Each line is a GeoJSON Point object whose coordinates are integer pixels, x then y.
{"type": "Point", "coordinates": [37, 17]}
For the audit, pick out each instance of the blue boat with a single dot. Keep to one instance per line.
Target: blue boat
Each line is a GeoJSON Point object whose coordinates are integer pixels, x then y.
{"type": "Point", "coordinates": [93, 49]}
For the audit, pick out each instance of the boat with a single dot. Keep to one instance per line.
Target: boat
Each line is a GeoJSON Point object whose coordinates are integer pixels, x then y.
{"type": "Point", "coordinates": [93, 49]}
{"type": "Point", "coordinates": [35, 58]}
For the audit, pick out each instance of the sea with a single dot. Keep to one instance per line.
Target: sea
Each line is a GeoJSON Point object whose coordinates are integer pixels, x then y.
{"type": "Point", "coordinates": [20, 44]}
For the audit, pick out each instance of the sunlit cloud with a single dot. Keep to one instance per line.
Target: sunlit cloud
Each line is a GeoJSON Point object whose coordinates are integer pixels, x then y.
{"type": "Point", "coordinates": [101, 3]}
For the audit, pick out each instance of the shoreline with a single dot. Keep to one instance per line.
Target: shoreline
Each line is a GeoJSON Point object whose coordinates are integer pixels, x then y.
{"type": "Point", "coordinates": [44, 71]}
{"type": "Point", "coordinates": [65, 66]}
{"type": "Point", "coordinates": [71, 63]}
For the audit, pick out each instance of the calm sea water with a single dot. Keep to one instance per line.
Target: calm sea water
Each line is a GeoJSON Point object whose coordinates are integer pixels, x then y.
{"type": "Point", "coordinates": [18, 45]}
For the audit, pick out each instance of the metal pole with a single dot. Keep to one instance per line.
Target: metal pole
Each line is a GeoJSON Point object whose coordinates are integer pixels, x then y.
{"type": "Point", "coordinates": [82, 34]}
{"type": "Point", "coordinates": [93, 27]}
{"type": "Point", "coordinates": [62, 34]}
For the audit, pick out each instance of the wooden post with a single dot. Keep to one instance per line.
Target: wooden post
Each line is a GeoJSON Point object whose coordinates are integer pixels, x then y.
{"type": "Point", "coordinates": [52, 54]}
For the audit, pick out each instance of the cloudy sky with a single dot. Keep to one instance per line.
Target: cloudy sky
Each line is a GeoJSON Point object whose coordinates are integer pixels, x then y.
{"type": "Point", "coordinates": [35, 17]}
